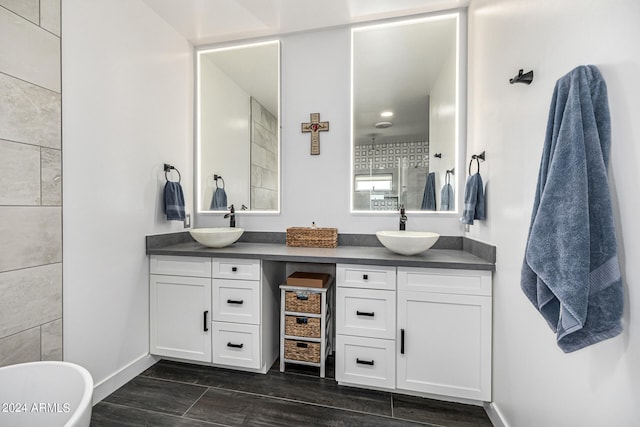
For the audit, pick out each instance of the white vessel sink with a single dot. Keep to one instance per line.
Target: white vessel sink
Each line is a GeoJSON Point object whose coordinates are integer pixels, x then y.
{"type": "Point", "coordinates": [407, 242]}
{"type": "Point", "coordinates": [216, 237]}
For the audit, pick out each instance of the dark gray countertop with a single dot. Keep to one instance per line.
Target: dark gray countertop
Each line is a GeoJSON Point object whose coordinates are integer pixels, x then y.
{"type": "Point", "coordinates": [368, 255]}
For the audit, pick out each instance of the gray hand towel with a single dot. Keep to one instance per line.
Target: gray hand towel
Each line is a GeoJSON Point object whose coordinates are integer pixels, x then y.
{"type": "Point", "coordinates": [570, 272]}
{"type": "Point", "coordinates": [173, 201]}
{"type": "Point", "coordinates": [473, 200]}
{"type": "Point", "coordinates": [446, 195]}
{"type": "Point", "coordinates": [429, 196]}
{"type": "Point", "coordinates": [446, 198]}
{"type": "Point", "coordinates": [219, 200]}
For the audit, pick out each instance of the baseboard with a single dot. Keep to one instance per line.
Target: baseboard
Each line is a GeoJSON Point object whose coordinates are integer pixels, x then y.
{"type": "Point", "coordinates": [122, 376]}
{"type": "Point", "coordinates": [494, 414]}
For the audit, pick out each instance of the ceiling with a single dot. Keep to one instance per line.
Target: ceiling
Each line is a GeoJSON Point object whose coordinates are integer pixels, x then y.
{"type": "Point", "coordinates": [206, 22]}
{"type": "Point", "coordinates": [212, 21]}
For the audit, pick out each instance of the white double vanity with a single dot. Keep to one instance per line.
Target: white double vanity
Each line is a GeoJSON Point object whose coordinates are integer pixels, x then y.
{"type": "Point", "coordinates": [417, 325]}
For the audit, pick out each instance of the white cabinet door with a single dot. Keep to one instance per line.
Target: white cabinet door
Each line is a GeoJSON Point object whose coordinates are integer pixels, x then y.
{"type": "Point", "coordinates": [180, 312]}
{"type": "Point", "coordinates": [444, 344]}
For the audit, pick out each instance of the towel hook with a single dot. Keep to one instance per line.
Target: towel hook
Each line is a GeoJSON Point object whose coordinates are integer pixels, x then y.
{"type": "Point", "coordinates": [447, 176]}
{"type": "Point", "coordinates": [167, 168]}
{"type": "Point", "coordinates": [522, 77]}
{"type": "Point", "coordinates": [217, 177]}
{"type": "Point", "coordinates": [477, 158]}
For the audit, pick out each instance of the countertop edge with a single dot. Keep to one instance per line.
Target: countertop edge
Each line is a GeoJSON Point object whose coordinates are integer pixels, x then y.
{"type": "Point", "coordinates": [434, 258]}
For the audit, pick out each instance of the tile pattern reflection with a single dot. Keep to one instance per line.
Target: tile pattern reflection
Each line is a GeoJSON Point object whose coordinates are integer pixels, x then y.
{"type": "Point", "coordinates": [407, 165]}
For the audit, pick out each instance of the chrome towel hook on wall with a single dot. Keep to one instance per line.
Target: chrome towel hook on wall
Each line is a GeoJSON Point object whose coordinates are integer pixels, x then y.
{"type": "Point", "coordinates": [167, 168]}
{"type": "Point", "coordinates": [522, 77]}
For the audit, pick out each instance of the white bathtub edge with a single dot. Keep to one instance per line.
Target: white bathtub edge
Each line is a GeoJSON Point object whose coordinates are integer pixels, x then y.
{"type": "Point", "coordinates": [122, 376]}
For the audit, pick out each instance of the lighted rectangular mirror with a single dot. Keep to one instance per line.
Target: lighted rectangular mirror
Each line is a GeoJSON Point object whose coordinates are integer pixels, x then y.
{"type": "Point", "coordinates": [406, 104]}
{"type": "Point", "coordinates": [238, 127]}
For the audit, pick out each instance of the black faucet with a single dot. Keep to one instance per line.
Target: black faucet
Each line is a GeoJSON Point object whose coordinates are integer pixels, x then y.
{"type": "Point", "coordinates": [232, 216]}
{"type": "Point", "coordinates": [403, 218]}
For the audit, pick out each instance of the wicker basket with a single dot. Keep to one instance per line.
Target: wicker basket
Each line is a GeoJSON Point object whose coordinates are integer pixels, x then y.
{"type": "Point", "coordinates": [302, 302]}
{"type": "Point", "coordinates": [302, 350]}
{"type": "Point", "coordinates": [311, 237]}
{"type": "Point", "coordinates": [302, 326]}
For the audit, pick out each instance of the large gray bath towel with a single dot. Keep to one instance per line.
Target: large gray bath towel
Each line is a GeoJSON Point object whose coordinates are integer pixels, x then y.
{"type": "Point", "coordinates": [570, 271]}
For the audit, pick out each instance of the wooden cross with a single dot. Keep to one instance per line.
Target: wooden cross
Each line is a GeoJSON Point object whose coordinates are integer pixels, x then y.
{"type": "Point", "coordinates": [315, 126]}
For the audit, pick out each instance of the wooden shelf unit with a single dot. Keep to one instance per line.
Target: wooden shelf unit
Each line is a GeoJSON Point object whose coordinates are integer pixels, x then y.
{"type": "Point", "coordinates": [326, 318]}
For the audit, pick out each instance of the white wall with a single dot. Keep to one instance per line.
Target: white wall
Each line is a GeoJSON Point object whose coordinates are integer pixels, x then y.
{"type": "Point", "coordinates": [127, 104]}
{"type": "Point", "coordinates": [316, 188]}
{"type": "Point", "coordinates": [535, 383]}
{"type": "Point", "coordinates": [442, 128]}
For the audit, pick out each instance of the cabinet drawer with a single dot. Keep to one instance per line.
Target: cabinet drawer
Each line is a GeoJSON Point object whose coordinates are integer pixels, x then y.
{"type": "Point", "coordinates": [236, 344]}
{"type": "Point", "coordinates": [365, 361]}
{"type": "Point", "coordinates": [303, 302]}
{"type": "Point", "coordinates": [236, 301]}
{"type": "Point", "coordinates": [232, 268]}
{"type": "Point", "coordinates": [302, 326]}
{"type": "Point", "coordinates": [302, 351]}
{"type": "Point", "coordinates": [366, 276]}
{"type": "Point", "coordinates": [180, 266]}
{"type": "Point", "coordinates": [366, 312]}
{"type": "Point", "coordinates": [465, 282]}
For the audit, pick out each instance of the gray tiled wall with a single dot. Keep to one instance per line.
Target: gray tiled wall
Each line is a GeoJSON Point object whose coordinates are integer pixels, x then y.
{"type": "Point", "coordinates": [264, 158]}
{"type": "Point", "coordinates": [30, 182]}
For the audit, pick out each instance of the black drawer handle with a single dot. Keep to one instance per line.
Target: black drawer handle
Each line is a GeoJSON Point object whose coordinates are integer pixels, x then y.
{"type": "Point", "coordinates": [401, 341]}
{"type": "Point", "coordinates": [234, 269]}
{"type": "Point", "coordinates": [302, 297]}
{"type": "Point", "coordinates": [206, 325]}
{"type": "Point", "coordinates": [365, 313]}
{"type": "Point", "coordinates": [234, 345]}
{"type": "Point", "coordinates": [365, 277]}
{"type": "Point", "coordinates": [364, 362]}
{"type": "Point", "coordinates": [302, 320]}
{"type": "Point", "coordinates": [235, 301]}
{"type": "Point", "coordinates": [302, 344]}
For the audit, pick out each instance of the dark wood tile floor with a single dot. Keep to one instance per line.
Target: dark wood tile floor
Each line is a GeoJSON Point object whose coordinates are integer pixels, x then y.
{"type": "Point", "coordinates": [180, 394]}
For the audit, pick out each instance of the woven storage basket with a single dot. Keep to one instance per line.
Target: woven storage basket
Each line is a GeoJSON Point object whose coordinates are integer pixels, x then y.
{"type": "Point", "coordinates": [311, 237]}
{"type": "Point", "coordinates": [299, 326]}
{"type": "Point", "coordinates": [302, 350]}
{"type": "Point", "coordinates": [302, 302]}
